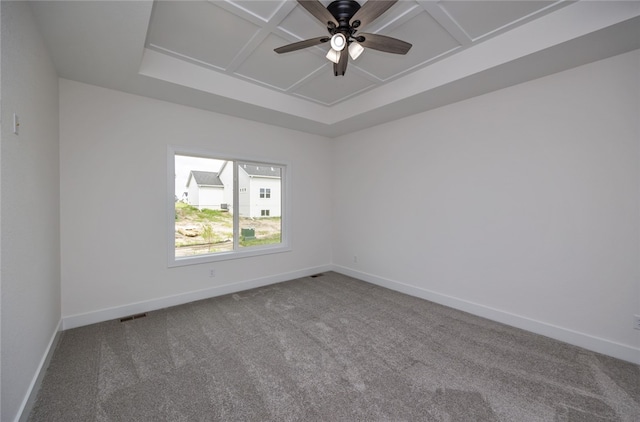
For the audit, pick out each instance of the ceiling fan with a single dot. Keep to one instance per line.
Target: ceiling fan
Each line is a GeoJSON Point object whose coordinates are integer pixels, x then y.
{"type": "Point", "coordinates": [343, 19]}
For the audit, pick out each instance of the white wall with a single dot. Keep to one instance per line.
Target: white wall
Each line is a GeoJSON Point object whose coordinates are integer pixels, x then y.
{"type": "Point", "coordinates": [521, 205]}
{"type": "Point", "coordinates": [29, 198]}
{"type": "Point", "coordinates": [114, 249]}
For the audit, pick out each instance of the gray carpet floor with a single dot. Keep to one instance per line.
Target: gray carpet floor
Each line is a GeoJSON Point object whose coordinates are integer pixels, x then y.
{"type": "Point", "coordinates": [330, 348]}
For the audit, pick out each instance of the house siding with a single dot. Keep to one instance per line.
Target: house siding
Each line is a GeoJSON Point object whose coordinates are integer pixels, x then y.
{"type": "Point", "coordinates": [273, 204]}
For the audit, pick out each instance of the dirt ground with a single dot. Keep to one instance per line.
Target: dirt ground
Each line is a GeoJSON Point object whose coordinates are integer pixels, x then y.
{"type": "Point", "coordinates": [190, 232]}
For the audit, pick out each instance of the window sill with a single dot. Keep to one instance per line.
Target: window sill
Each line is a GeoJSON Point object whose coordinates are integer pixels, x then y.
{"type": "Point", "coordinates": [226, 256]}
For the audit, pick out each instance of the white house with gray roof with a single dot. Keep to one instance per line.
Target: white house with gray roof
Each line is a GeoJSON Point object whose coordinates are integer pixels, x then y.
{"type": "Point", "coordinates": [259, 188]}
{"type": "Point", "coordinates": [205, 190]}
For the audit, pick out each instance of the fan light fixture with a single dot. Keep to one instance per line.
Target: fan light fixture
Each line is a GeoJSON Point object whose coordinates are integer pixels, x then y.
{"type": "Point", "coordinates": [333, 55]}
{"type": "Point", "coordinates": [338, 41]}
{"type": "Point", "coordinates": [343, 19]}
{"type": "Point", "coordinates": [355, 49]}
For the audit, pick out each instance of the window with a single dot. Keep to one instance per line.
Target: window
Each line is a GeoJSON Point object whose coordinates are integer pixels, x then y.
{"type": "Point", "coordinates": [221, 201]}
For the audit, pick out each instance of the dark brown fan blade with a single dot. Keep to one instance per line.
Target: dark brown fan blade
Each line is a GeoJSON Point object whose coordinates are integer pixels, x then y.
{"type": "Point", "coordinates": [384, 43]}
{"type": "Point", "coordinates": [340, 68]}
{"type": "Point", "coordinates": [301, 44]}
{"type": "Point", "coordinates": [319, 11]}
{"type": "Point", "coordinates": [370, 11]}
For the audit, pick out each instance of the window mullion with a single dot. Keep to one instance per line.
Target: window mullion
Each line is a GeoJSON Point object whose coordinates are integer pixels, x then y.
{"type": "Point", "coordinates": [236, 207]}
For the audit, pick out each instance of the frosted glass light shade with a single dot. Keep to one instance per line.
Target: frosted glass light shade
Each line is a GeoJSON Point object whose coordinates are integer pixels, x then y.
{"type": "Point", "coordinates": [355, 50]}
{"type": "Point", "coordinates": [333, 55]}
{"type": "Point", "coordinates": [338, 41]}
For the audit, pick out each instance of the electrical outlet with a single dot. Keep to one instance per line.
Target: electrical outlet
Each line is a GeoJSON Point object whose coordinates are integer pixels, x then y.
{"type": "Point", "coordinates": [212, 272]}
{"type": "Point", "coordinates": [636, 322]}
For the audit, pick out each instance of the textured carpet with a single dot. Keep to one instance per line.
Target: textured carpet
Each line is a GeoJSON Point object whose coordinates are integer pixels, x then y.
{"type": "Point", "coordinates": [329, 348]}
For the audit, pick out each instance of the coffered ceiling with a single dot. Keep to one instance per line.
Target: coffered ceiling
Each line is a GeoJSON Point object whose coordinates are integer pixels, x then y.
{"type": "Point", "coordinates": [218, 55]}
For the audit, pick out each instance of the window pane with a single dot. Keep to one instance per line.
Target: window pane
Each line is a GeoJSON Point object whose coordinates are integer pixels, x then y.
{"type": "Point", "coordinates": [260, 204]}
{"type": "Point", "coordinates": [203, 211]}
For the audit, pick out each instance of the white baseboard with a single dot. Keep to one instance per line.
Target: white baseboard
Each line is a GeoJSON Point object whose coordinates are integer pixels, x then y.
{"type": "Point", "coordinates": [586, 341]}
{"type": "Point", "coordinates": [79, 320]}
{"type": "Point", "coordinates": [29, 399]}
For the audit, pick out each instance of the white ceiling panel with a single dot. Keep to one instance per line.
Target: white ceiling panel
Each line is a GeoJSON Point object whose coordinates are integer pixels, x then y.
{"type": "Point", "coordinates": [428, 38]}
{"type": "Point", "coordinates": [328, 89]}
{"type": "Point", "coordinates": [480, 17]}
{"type": "Point", "coordinates": [199, 30]}
{"type": "Point", "coordinates": [264, 9]}
{"type": "Point", "coordinates": [302, 24]}
{"type": "Point", "coordinates": [280, 71]}
{"type": "Point", "coordinates": [396, 15]}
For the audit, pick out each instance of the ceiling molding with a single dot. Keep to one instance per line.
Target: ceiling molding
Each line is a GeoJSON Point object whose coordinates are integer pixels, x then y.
{"type": "Point", "coordinates": [140, 47]}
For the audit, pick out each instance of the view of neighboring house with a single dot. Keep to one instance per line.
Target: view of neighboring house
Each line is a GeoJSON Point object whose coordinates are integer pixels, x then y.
{"type": "Point", "coordinates": [205, 190]}
{"type": "Point", "coordinates": [259, 187]}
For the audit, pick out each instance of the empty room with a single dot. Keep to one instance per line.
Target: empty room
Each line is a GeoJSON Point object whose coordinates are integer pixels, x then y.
{"type": "Point", "coordinates": [283, 210]}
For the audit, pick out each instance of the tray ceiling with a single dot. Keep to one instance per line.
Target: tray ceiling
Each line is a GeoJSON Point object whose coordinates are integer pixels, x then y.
{"type": "Point", "coordinates": [238, 37]}
{"type": "Point", "coordinates": [218, 55]}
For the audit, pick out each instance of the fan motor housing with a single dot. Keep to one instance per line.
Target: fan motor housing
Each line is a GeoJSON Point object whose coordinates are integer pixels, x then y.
{"type": "Point", "coordinates": [343, 11]}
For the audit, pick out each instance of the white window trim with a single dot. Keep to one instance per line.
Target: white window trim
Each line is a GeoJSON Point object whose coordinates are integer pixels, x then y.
{"type": "Point", "coordinates": [285, 234]}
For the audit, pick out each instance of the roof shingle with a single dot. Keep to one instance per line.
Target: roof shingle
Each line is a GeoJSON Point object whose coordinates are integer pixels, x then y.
{"type": "Point", "coordinates": [205, 178]}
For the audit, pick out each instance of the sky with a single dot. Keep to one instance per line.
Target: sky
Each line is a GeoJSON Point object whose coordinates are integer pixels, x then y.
{"type": "Point", "coordinates": [184, 164]}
